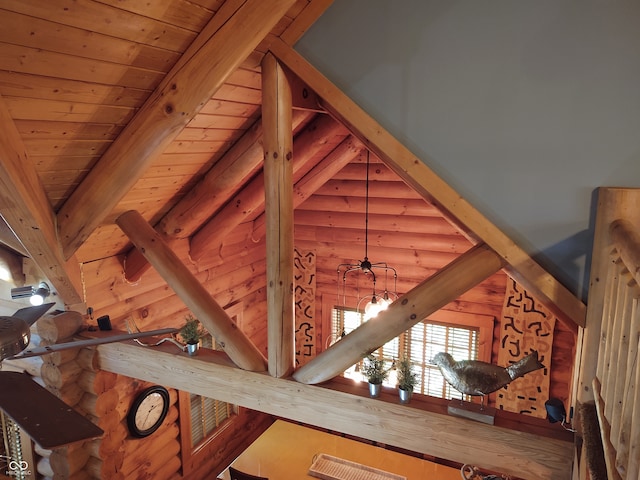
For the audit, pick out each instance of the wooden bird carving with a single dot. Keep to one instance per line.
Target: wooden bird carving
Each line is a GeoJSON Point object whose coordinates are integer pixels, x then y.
{"type": "Point", "coordinates": [473, 377]}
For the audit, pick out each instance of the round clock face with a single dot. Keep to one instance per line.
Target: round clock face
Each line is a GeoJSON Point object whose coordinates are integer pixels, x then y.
{"type": "Point", "coordinates": [148, 411]}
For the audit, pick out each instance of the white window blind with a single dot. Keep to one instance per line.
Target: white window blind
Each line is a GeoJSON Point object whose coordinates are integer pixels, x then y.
{"type": "Point", "coordinates": [420, 344]}
{"type": "Point", "coordinates": [207, 414]}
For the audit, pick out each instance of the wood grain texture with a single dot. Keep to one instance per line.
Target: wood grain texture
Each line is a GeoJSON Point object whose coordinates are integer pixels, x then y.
{"type": "Point", "coordinates": [189, 289]}
{"type": "Point", "coordinates": [350, 412]}
{"type": "Point", "coordinates": [278, 191]}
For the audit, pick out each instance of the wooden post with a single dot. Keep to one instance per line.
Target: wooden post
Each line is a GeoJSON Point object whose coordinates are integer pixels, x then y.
{"type": "Point", "coordinates": [278, 187]}
{"type": "Point", "coordinates": [446, 285]}
{"type": "Point", "coordinates": [239, 348]}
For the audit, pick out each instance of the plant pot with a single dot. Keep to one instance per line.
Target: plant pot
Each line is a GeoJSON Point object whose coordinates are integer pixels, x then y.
{"type": "Point", "coordinates": [405, 395]}
{"type": "Point", "coordinates": [192, 348]}
{"type": "Point", "coordinates": [374, 389]}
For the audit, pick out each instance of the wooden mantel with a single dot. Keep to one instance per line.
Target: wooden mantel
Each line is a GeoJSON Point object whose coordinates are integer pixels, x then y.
{"type": "Point", "coordinates": [348, 410]}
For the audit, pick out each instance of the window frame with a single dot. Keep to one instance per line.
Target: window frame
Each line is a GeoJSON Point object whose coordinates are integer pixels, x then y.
{"type": "Point", "coordinates": [483, 322]}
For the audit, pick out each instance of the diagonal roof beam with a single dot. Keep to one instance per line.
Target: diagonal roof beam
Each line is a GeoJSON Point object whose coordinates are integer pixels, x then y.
{"type": "Point", "coordinates": [224, 178]}
{"type": "Point", "coordinates": [465, 272]}
{"type": "Point", "coordinates": [223, 45]}
{"type": "Point", "coordinates": [28, 212]}
{"type": "Point", "coordinates": [252, 196]}
{"type": "Point", "coordinates": [423, 180]}
{"type": "Point", "coordinates": [324, 171]}
{"type": "Point", "coordinates": [191, 291]}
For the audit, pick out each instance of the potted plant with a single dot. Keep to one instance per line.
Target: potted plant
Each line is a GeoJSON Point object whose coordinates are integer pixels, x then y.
{"type": "Point", "coordinates": [373, 370]}
{"type": "Point", "coordinates": [191, 333]}
{"type": "Point", "coordinates": [407, 379]}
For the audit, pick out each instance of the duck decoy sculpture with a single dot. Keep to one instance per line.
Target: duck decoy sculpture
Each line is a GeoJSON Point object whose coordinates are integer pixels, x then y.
{"type": "Point", "coordinates": [474, 377]}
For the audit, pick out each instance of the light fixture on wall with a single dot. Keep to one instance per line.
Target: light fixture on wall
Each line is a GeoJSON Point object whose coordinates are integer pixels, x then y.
{"type": "Point", "coordinates": [36, 295]}
{"type": "Point", "coordinates": [375, 302]}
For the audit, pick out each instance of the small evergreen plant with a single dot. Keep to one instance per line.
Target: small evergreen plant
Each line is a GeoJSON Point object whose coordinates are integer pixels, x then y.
{"type": "Point", "coordinates": [373, 369]}
{"type": "Point", "coordinates": [407, 378]}
{"type": "Point", "coordinates": [192, 331]}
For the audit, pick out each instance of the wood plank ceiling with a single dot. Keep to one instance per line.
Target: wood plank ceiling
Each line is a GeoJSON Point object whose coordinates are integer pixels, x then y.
{"type": "Point", "coordinates": [113, 105]}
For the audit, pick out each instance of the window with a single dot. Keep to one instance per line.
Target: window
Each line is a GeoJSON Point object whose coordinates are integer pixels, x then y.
{"type": "Point", "coordinates": [203, 418]}
{"type": "Point", "coordinates": [463, 335]}
{"type": "Point", "coordinates": [207, 414]}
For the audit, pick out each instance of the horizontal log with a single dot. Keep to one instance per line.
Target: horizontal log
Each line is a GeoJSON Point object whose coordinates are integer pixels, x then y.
{"type": "Point", "coordinates": [31, 365]}
{"type": "Point", "coordinates": [88, 359]}
{"type": "Point", "coordinates": [96, 382]}
{"type": "Point", "coordinates": [137, 453]}
{"type": "Point", "coordinates": [109, 421]}
{"type": "Point", "coordinates": [377, 222]}
{"type": "Point", "coordinates": [377, 189]}
{"type": "Point", "coordinates": [310, 182]}
{"type": "Point", "coordinates": [252, 196]}
{"type": "Point", "coordinates": [112, 439]}
{"type": "Point", "coordinates": [433, 242]}
{"type": "Point", "coordinates": [377, 206]}
{"type": "Point", "coordinates": [346, 407]}
{"type": "Point", "coordinates": [148, 462]}
{"type": "Point", "coordinates": [71, 393]}
{"type": "Point", "coordinates": [168, 469]}
{"type": "Point", "coordinates": [59, 376]}
{"type": "Point", "coordinates": [54, 328]}
{"type": "Point", "coordinates": [63, 356]}
{"type": "Point", "coordinates": [67, 463]}
{"type": "Point", "coordinates": [88, 403]}
{"type": "Point", "coordinates": [100, 469]}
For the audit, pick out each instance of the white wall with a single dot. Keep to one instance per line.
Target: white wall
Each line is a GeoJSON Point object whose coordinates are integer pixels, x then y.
{"type": "Point", "coordinates": [524, 107]}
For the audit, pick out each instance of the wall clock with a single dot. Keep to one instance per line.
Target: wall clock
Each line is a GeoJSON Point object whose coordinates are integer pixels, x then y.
{"type": "Point", "coordinates": [148, 411]}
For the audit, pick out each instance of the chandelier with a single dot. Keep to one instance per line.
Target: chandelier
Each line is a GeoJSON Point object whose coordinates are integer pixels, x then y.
{"type": "Point", "coordinates": [374, 302]}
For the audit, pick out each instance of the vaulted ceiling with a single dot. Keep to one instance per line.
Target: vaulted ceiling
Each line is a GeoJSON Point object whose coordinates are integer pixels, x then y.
{"type": "Point", "coordinates": [108, 106]}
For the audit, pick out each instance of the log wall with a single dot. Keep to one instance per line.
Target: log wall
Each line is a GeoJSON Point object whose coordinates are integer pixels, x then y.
{"type": "Point", "coordinates": [152, 304]}
{"type": "Point", "coordinates": [404, 230]}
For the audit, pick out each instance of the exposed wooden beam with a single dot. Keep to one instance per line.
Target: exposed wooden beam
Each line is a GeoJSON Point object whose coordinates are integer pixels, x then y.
{"type": "Point", "coordinates": [278, 188]}
{"type": "Point", "coordinates": [435, 292]}
{"type": "Point", "coordinates": [222, 46]}
{"type": "Point", "coordinates": [212, 316]}
{"type": "Point", "coordinates": [306, 18]}
{"type": "Point", "coordinates": [228, 174]}
{"type": "Point", "coordinates": [13, 263]}
{"type": "Point", "coordinates": [415, 172]}
{"type": "Point", "coordinates": [251, 198]}
{"type": "Point", "coordinates": [9, 239]}
{"type": "Point", "coordinates": [27, 210]}
{"type": "Point", "coordinates": [348, 409]}
{"type": "Point", "coordinates": [349, 149]}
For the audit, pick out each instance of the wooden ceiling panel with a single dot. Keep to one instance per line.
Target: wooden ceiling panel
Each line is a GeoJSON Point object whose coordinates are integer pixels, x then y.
{"type": "Point", "coordinates": [179, 13]}
{"type": "Point", "coordinates": [13, 84]}
{"type": "Point", "coordinates": [34, 32]}
{"type": "Point", "coordinates": [107, 20]}
{"type": "Point", "coordinates": [35, 61]}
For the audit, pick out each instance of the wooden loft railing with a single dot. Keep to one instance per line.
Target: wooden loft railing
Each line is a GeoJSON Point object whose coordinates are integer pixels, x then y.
{"type": "Point", "coordinates": [609, 373]}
